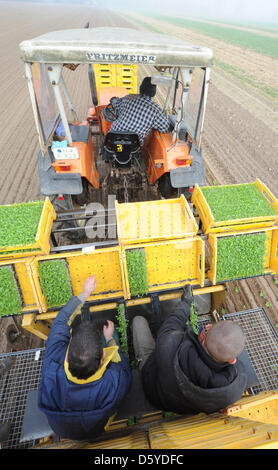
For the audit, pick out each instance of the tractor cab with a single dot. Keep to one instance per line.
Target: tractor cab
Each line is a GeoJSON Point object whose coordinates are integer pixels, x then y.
{"type": "Point", "coordinates": [78, 154]}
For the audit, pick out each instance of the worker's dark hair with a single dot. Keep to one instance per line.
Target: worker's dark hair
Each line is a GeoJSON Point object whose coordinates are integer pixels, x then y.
{"type": "Point", "coordinates": [147, 88]}
{"type": "Point", "coordinates": [85, 350]}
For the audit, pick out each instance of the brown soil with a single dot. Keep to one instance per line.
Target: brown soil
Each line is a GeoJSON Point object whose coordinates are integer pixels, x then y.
{"type": "Point", "coordinates": [240, 136]}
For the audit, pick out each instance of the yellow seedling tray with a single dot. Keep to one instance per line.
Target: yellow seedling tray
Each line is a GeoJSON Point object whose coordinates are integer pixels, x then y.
{"type": "Point", "coordinates": [171, 264]}
{"type": "Point", "coordinates": [149, 221]}
{"type": "Point", "coordinates": [22, 268]}
{"type": "Point", "coordinates": [271, 251]}
{"type": "Point", "coordinates": [42, 239]}
{"type": "Point", "coordinates": [104, 263]}
{"type": "Point", "coordinates": [116, 75]}
{"type": "Point", "coordinates": [211, 226]}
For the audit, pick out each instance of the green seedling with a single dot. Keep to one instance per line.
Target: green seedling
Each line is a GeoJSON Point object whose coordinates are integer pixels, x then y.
{"type": "Point", "coordinates": [55, 282]}
{"type": "Point", "coordinates": [262, 294]}
{"type": "Point", "coordinates": [240, 256]}
{"type": "Point", "coordinates": [268, 304]}
{"type": "Point", "coordinates": [137, 272]}
{"type": "Point", "coordinates": [236, 289]}
{"type": "Point", "coordinates": [236, 202]}
{"type": "Point", "coordinates": [19, 224]}
{"type": "Point", "coordinates": [122, 328]}
{"type": "Point", "coordinates": [193, 319]}
{"type": "Point", "coordinates": [131, 421]}
{"type": "Point", "coordinates": [10, 300]}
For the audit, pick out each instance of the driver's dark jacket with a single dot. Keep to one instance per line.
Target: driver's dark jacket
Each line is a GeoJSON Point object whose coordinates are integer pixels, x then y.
{"type": "Point", "coordinates": [179, 375]}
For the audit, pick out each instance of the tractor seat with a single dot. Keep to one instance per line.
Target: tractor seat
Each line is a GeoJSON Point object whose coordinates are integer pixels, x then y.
{"type": "Point", "coordinates": [121, 147]}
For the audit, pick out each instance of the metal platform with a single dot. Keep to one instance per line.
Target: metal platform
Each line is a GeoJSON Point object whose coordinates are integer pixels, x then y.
{"type": "Point", "coordinates": [261, 345]}
{"type": "Point", "coordinates": [23, 376]}
{"type": "Point", "coordinates": [25, 372]}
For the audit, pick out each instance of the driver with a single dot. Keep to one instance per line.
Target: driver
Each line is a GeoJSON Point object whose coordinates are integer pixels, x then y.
{"type": "Point", "coordinates": [138, 113]}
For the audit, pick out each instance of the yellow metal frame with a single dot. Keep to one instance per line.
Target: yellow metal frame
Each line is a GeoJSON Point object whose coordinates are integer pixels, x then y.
{"type": "Point", "coordinates": [271, 260]}
{"type": "Point", "coordinates": [212, 431]}
{"type": "Point", "coordinates": [151, 221]}
{"type": "Point", "coordinates": [171, 264]}
{"type": "Point", "coordinates": [42, 244]}
{"type": "Point", "coordinates": [39, 324]}
{"type": "Point", "coordinates": [211, 226]}
{"type": "Point", "coordinates": [261, 407]}
{"type": "Point", "coordinates": [105, 264]}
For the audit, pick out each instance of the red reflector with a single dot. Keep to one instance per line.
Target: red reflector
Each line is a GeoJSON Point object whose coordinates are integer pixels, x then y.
{"type": "Point", "coordinates": [183, 161]}
{"type": "Point", "coordinates": [66, 168]}
{"type": "Point", "coordinates": [62, 167]}
{"type": "Point", "coordinates": [191, 190]}
{"type": "Point", "coordinates": [61, 197]}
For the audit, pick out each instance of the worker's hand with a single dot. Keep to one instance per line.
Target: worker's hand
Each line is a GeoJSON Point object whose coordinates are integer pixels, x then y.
{"type": "Point", "coordinates": [89, 286]}
{"type": "Point", "coordinates": [108, 331]}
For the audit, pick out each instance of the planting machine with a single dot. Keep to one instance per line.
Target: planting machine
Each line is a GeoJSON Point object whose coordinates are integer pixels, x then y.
{"type": "Point", "coordinates": [143, 249]}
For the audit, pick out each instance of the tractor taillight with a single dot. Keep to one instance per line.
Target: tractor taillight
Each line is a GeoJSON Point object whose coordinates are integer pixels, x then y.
{"type": "Point", "coordinates": [62, 167]}
{"type": "Point", "coordinates": [183, 161]}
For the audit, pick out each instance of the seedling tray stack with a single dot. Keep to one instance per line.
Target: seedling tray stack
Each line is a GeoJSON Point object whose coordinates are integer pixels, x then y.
{"type": "Point", "coordinates": [151, 221]}
{"type": "Point", "coordinates": [164, 265]}
{"type": "Point", "coordinates": [229, 208]}
{"type": "Point", "coordinates": [25, 228]}
{"type": "Point", "coordinates": [243, 254]}
{"type": "Point", "coordinates": [240, 223]}
{"type": "Point", "coordinates": [159, 244]}
{"type": "Point", "coordinates": [58, 277]}
{"type": "Point", "coordinates": [17, 291]}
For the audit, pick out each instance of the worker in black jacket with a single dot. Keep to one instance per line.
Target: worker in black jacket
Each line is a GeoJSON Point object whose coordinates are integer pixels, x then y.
{"type": "Point", "coordinates": [189, 373]}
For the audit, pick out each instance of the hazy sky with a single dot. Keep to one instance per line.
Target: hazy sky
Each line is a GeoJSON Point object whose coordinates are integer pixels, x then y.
{"type": "Point", "coordinates": [240, 10]}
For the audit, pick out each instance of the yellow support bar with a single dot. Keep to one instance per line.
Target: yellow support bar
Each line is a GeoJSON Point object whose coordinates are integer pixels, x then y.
{"type": "Point", "coordinates": [139, 301]}
{"type": "Point", "coordinates": [37, 328]}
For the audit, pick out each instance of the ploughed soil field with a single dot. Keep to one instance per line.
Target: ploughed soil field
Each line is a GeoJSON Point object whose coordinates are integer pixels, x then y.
{"type": "Point", "coordinates": [240, 141]}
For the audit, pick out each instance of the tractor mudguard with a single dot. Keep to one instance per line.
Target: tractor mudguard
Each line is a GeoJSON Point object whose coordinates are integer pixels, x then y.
{"type": "Point", "coordinates": [52, 183]}
{"type": "Point", "coordinates": [189, 176]}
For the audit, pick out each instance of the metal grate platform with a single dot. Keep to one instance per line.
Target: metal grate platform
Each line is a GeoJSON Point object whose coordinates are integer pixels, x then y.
{"type": "Point", "coordinates": [23, 376]}
{"type": "Point", "coordinates": [261, 345]}
{"type": "Point", "coordinates": [25, 372]}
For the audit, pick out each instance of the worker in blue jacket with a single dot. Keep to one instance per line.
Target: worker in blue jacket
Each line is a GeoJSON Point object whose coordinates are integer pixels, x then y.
{"type": "Point", "coordinates": [82, 382]}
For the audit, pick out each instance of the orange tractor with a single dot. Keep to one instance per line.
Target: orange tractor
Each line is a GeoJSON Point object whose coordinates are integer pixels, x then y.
{"type": "Point", "coordinates": [72, 169]}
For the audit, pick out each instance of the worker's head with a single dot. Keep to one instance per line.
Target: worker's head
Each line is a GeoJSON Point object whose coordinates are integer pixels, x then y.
{"type": "Point", "coordinates": [85, 350]}
{"type": "Point", "coordinates": [224, 341]}
{"type": "Point", "coordinates": [147, 88]}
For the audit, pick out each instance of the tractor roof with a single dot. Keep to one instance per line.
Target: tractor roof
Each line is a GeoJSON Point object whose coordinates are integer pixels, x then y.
{"type": "Point", "coordinates": [114, 45]}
